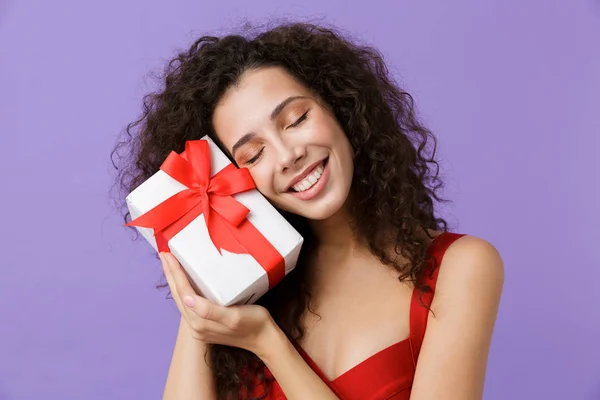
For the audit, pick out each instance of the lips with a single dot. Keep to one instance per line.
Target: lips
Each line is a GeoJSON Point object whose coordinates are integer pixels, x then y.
{"type": "Point", "coordinates": [304, 174]}
{"type": "Point", "coordinates": [316, 188]}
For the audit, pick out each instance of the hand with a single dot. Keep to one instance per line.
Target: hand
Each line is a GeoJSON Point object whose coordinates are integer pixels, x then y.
{"type": "Point", "coordinates": [249, 327]}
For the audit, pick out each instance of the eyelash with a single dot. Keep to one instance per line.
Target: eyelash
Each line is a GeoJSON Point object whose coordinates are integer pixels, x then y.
{"type": "Point", "coordinates": [255, 158]}
{"type": "Point", "coordinates": [295, 124]}
{"type": "Point", "coordinates": [299, 120]}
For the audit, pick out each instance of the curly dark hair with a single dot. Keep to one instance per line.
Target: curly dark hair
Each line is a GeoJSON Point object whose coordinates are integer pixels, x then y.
{"type": "Point", "coordinates": [396, 177]}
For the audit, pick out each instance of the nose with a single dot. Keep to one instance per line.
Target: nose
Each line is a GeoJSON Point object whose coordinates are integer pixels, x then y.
{"type": "Point", "coordinates": [289, 156]}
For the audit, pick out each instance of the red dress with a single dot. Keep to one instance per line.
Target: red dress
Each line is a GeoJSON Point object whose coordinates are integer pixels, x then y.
{"type": "Point", "coordinates": [388, 374]}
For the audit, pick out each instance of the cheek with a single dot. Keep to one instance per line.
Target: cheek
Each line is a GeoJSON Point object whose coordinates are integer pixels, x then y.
{"type": "Point", "coordinates": [262, 180]}
{"type": "Point", "coordinates": [330, 134]}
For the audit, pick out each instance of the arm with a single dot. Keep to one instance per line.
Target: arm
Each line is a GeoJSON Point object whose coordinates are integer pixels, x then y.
{"type": "Point", "coordinates": [297, 380]}
{"type": "Point", "coordinates": [190, 377]}
{"type": "Point", "coordinates": [453, 358]}
{"type": "Point", "coordinates": [248, 327]}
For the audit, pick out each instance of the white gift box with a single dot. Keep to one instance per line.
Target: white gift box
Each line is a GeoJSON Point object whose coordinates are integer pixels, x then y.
{"type": "Point", "coordinates": [225, 278]}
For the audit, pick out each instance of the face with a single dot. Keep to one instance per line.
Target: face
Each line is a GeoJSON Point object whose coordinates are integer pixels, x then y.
{"type": "Point", "coordinates": [294, 148]}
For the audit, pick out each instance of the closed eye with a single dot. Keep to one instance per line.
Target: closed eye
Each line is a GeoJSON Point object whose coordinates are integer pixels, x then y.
{"type": "Point", "coordinates": [256, 157]}
{"type": "Point", "coordinates": [299, 120]}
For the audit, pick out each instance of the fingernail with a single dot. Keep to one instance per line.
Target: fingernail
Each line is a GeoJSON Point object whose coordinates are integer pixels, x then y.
{"type": "Point", "coordinates": [189, 301]}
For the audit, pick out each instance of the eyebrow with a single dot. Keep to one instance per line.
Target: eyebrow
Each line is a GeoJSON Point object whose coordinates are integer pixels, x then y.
{"type": "Point", "coordinates": [274, 114]}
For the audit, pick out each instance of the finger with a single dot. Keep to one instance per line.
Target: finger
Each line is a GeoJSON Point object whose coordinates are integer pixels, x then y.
{"type": "Point", "coordinates": [180, 280]}
{"type": "Point", "coordinates": [212, 332]}
{"type": "Point", "coordinates": [203, 308]}
{"type": "Point", "coordinates": [171, 283]}
{"type": "Point", "coordinates": [208, 330]}
{"type": "Point", "coordinates": [199, 305]}
{"type": "Point", "coordinates": [205, 326]}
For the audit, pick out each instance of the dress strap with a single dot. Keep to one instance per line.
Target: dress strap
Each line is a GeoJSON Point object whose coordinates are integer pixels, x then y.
{"type": "Point", "coordinates": [418, 312]}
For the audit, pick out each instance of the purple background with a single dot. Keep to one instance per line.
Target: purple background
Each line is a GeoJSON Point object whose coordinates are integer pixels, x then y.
{"type": "Point", "coordinates": [511, 88]}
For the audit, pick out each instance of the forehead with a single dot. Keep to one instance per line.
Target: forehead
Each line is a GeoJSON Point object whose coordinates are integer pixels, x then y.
{"type": "Point", "coordinates": [247, 106]}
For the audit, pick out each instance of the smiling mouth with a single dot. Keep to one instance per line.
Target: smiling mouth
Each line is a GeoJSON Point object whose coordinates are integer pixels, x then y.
{"type": "Point", "coordinates": [311, 179]}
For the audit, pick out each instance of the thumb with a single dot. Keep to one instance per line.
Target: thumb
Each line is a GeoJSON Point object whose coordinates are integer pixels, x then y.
{"type": "Point", "coordinates": [207, 310]}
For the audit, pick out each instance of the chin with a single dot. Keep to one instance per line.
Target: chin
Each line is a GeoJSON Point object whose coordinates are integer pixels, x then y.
{"type": "Point", "coordinates": [316, 215]}
{"type": "Point", "coordinates": [316, 211]}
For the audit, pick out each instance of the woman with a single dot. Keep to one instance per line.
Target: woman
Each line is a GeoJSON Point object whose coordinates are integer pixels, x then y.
{"type": "Point", "coordinates": [333, 143]}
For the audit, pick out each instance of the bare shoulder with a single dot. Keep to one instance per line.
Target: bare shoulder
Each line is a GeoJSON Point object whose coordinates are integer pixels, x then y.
{"type": "Point", "coordinates": [453, 359]}
{"type": "Point", "coordinates": [471, 271]}
{"type": "Point", "coordinates": [473, 256]}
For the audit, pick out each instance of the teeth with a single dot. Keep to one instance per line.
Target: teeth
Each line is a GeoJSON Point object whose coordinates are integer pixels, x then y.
{"type": "Point", "coordinates": [310, 180]}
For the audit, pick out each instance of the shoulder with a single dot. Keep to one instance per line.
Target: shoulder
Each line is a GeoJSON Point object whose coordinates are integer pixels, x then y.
{"type": "Point", "coordinates": [471, 271]}
{"type": "Point", "coordinates": [459, 330]}
{"type": "Point", "coordinates": [474, 258]}
{"type": "Point", "coordinates": [456, 343]}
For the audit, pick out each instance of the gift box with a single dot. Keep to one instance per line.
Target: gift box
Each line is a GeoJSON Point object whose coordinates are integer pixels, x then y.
{"type": "Point", "coordinates": [233, 244]}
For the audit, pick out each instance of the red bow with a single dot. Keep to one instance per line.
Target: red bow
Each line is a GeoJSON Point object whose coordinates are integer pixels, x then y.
{"type": "Point", "coordinates": [225, 216]}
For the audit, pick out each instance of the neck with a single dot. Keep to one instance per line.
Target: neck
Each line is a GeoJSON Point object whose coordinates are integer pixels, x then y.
{"type": "Point", "coordinates": [336, 246]}
{"type": "Point", "coordinates": [334, 232]}
{"type": "Point", "coordinates": [336, 252]}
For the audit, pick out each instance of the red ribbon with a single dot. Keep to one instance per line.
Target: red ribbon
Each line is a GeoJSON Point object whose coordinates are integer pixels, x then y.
{"type": "Point", "coordinates": [225, 216]}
